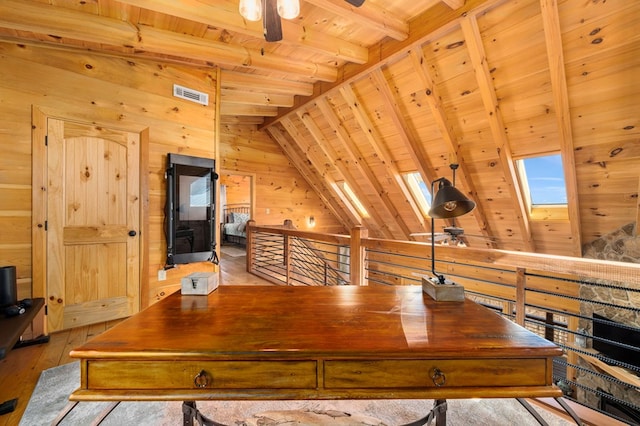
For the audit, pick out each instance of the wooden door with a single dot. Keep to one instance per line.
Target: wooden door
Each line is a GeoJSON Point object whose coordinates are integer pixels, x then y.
{"type": "Point", "coordinates": [93, 224]}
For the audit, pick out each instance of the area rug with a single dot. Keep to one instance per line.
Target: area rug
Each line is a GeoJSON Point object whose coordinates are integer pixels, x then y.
{"type": "Point", "coordinates": [233, 251]}
{"type": "Point", "coordinates": [54, 386]}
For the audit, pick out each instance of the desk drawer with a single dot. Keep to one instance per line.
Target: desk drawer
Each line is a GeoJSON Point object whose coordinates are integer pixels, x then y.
{"type": "Point", "coordinates": [424, 373]}
{"type": "Point", "coordinates": [210, 375]}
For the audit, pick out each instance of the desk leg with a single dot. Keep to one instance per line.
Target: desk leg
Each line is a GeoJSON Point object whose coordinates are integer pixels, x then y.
{"type": "Point", "coordinates": [437, 413]}
{"type": "Point", "coordinates": [191, 414]}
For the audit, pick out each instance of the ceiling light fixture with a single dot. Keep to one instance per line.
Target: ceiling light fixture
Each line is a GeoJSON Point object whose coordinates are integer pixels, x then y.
{"type": "Point", "coordinates": [253, 10]}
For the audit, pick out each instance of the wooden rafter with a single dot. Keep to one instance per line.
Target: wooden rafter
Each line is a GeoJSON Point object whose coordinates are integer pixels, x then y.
{"type": "Point", "coordinates": [423, 29]}
{"type": "Point", "coordinates": [310, 176]}
{"type": "Point", "coordinates": [324, 145]}
{"type": "Point", "coordinates": [404, 132]}
{"type": "Point", "coordinates": [249, 82]}
{"type": "Point", "coordinates": [327, 180]}
{"type": "Point", "coordinates": [475, 48]}
{"type": "Point", "coordinates": [369, 15]}
{"type": "Point", "coordinates": [446, 131]}
{"type": "Point", "coordinates": [370, 133]}
{"type": "Point", "coordinates": [219, 16]}
{"type": "Point", "coordinates": [255, 98]}
{"type": "Point", "coordinates": [40, 18]}
{"type": "Point", "coordinates": [356, 161]}
{"type": "Point", "coordinates": [553, 39]}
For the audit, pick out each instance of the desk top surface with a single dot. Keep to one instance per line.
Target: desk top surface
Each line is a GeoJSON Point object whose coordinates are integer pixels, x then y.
{"type": "Point", "coordinates": [290, 322]}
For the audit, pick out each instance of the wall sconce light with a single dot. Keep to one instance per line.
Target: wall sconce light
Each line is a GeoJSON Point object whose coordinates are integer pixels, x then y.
{"type": "Point", "coordinates": [448, 203]}
{"type": "Point", "coordinates": [311, 222]}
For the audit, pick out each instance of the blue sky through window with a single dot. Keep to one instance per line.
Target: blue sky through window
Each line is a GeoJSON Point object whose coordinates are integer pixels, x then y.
{"type": "Point", "coordinates": [545, 177]}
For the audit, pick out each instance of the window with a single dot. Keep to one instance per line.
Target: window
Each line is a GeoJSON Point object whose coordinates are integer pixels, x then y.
{"type": "Point", "coordinates": [351, 196]}
{"type": "Point", "coordinates": [419, 191]}
{"type": "Point", "coordinates": [543, 183]}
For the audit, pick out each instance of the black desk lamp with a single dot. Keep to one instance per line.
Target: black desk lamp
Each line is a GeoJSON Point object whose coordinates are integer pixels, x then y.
{"type": "Point", "coordinates": [448, 202]}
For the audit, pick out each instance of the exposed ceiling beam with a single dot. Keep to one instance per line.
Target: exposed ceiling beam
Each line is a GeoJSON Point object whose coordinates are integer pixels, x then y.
{"type": "Point", "coordinates": [454, 4]}
{"type": "Point", "coordinates": [438, 20]}
{"type": "Point", "coordinates": [309, 175]}
{"type": "Point", "coordinates": [413, 148]}
{"type": "Point", "coordinates": [59, 22]}
{"type": "Point", "coordinates": [248, 110]}
{"type": "Point", "coordinates": [356, 161]}
{"type": "Point", "coordinates": [226, 15]}
{"type": "Point", "coordinates": [323, 144]}
{"type": "Point", "coordinates": [255, 98]}
{"type": "Point", "coordinates": [446, 131]}
{"type": "Point", "coordinates": [250, 82]}
{"type": "Point", "coordinates": [368, 129]}
{"type": "Point", "coordinates": [324, 176]}
{"type": "Point", "coordinates": [476, 51]}
{"type": "Point", "coordinates": [553, 39]}
{"type": "Point", "coordinates": [369, 15]}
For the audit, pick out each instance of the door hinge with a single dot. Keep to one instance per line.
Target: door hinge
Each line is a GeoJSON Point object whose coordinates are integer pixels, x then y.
{"type": "Point", "coordinates": [46, 309]}
{"type": "Point", "coordinates": [46, 140]}
{"type": "Point", "coordinates": [46, 225]}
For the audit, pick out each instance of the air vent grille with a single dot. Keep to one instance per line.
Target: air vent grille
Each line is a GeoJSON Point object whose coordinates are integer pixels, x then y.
{"type": "Point", "coordinates": [190, 94]}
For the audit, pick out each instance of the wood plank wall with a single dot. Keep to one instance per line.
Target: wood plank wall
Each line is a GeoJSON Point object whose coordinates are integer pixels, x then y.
{"type": "Point", "coordinates": [130, 94]}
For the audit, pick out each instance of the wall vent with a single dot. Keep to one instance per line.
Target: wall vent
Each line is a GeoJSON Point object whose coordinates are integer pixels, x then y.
{"type": "Point", "coordinates": [190, 94]}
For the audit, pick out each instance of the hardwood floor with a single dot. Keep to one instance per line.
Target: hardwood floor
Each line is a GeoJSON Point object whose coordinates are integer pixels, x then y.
{"type": "Point", "coordinates": [20, 370]}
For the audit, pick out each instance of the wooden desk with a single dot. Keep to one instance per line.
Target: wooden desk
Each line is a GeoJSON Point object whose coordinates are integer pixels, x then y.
{"type": "Point", "coordinates": [347, 342]}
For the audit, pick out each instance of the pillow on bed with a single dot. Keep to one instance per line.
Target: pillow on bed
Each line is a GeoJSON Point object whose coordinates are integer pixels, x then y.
{"type": "Point", "coordinates": [241, 217]}
{"type": "Point", "coordinates": [242, 226]}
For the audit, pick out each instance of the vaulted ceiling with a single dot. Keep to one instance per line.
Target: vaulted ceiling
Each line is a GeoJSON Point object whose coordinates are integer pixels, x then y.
{"type": "Point", "coordinates": [364, 95]}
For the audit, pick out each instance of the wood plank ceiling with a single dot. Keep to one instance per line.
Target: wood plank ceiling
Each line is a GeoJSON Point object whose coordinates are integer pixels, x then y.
{"type": "Point", "coordinates": [364, 95]}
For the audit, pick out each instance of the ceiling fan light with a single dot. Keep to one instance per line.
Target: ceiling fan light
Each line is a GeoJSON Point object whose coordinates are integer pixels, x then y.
{"type": "Point", "coordinates": [288, 9]}
{"type": "Point", "coordinates": [251, 10]}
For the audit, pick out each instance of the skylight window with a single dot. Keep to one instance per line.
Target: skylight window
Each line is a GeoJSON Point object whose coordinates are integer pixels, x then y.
{"type": "Point", "coordinates": [419, 191]}
{"type": "Point", "coordinates": [355, 202]}
{"type": "Point", "coordinates": [543, 180]}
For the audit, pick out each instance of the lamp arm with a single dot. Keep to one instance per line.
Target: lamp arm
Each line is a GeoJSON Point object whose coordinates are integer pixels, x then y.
{"type": "Point", "coordinates": [441, 278]}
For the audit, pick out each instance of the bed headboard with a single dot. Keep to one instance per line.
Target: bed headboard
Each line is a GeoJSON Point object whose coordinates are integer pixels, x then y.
{"type": "Point", "coordinates": [240, 208]}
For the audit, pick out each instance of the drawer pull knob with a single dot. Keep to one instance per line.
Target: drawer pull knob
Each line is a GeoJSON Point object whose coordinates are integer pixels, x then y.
{"type": "Point", "coordinates": [438, 377]}
{"type": "Point", "coordinates": [201, 380]}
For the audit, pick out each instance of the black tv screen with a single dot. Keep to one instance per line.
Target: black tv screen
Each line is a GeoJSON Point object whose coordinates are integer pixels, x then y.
{"type": "Point", "coordinates": [613, 331]}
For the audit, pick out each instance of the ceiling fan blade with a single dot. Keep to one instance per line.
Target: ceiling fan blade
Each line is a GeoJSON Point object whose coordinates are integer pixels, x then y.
{"type": "Point", "coordinates": [356, 3]}
{"type": "Point", "coordinates": [271, 21]}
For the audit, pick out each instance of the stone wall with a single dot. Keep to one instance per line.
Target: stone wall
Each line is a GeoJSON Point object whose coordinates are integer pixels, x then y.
{"type": "Point", "coordinates": [622, 245]}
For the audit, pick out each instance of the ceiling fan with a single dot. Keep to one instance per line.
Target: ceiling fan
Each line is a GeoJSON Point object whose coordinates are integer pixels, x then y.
{"type": "Point", "coordinates": [271, 12]}
{"type": "Point", "coordinates": [454, 235]}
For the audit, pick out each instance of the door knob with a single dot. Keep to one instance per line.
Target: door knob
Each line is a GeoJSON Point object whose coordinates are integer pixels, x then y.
{"type": "Point", "coordinates": [132, 233]}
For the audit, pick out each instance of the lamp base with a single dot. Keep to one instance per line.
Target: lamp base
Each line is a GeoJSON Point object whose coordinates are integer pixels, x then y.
{"type": "Point", "coordinates": [447, 292]}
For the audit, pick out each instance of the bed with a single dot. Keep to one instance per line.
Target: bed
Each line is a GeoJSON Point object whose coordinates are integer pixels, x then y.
{"type": "Point", "coordinates": [235, 217]}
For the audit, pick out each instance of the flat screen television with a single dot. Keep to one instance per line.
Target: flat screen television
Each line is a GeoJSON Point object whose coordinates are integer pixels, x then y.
{"type": "Point", "coordinates": [610, 330]}
{"type": "Point", "coordinates": [190, 209]}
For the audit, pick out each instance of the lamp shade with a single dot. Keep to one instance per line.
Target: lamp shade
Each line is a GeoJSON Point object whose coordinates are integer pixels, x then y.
{"type": "Point", "coordinates": [251, 10]}
{"type": "Point", "coordinates": [449, 202]}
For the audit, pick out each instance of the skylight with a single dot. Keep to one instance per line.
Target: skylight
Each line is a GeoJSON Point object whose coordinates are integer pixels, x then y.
{"type": "Point", "coordinates": [419, 191]}
{"type": "Point", "coordinates": [543, 180]}
{"type": "Point", "coordinates": [355, 202]}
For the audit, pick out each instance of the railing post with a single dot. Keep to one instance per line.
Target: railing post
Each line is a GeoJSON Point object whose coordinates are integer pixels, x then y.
{"type": "Point", "coordinates": [521, 281]}
{"type": "Point", "coordinates": [249, 241]}
{"type": "Point", "coordinates": [288, 224]}
{"type": "Point", "coordinates": [357, 257]}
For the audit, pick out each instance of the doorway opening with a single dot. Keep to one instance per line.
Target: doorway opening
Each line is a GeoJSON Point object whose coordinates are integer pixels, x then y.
{"type": "Point", "coordinates": [236, 208]}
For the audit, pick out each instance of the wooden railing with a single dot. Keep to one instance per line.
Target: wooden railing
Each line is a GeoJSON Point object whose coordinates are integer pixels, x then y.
{"type": "Point", "coordinates": [543, 293]}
